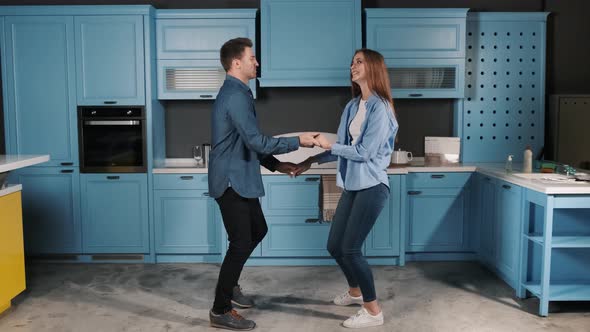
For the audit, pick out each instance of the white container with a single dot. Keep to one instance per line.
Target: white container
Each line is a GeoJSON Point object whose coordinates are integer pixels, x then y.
{"type": "Point", "coordinates": [527, 161]}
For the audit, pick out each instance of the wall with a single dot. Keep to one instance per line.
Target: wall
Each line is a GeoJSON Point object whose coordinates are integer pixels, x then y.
{"type": "Point", "coordinates": [283, 110]}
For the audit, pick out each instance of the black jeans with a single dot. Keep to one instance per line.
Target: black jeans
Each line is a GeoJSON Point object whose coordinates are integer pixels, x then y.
{"type": "Point", "coordinates": [246, 227]}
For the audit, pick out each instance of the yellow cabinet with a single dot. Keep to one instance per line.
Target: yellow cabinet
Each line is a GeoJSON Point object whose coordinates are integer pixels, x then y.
{"type": "Point", "coordinates": [12, 261]}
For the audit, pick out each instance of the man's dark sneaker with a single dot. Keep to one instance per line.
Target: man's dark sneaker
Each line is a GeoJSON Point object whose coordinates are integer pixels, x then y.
{"type": "Point", "coordinates": [231, 320]}
{"type": "Point", "coordinates": [241, 300]}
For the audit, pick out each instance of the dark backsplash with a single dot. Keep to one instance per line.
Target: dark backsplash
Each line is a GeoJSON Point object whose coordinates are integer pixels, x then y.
{"type": "Point", "coordinates": [287, 110]}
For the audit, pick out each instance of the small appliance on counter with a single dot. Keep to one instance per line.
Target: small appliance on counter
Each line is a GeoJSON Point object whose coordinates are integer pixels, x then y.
{"type": "Point", "coordinates": [401, 157]}
{"type": "Point", "coordinates": [441, 150]}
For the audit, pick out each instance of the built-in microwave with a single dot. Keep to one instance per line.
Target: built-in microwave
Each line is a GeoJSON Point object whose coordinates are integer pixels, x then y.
{"type": "Point", "coordinates": [112, 139]}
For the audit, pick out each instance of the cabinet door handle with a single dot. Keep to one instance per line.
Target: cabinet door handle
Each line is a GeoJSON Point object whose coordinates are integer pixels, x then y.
{"type": "Point", "coordinates": [488, 179]}
{"type": "Point", "coordinates": [505, 186]}
{"type": "Point", "coordinates": [415, 95]}
{"type": "Point", "coordinates": [112, 177]}
{"type": "Point", "coordinates": [67, 171]}
{"type": "Point", "coordinates": [110, 102]}
{"type": "Point", "coordinates": [206, 194]}
{"type": "Point", "coordinates": [67, 164]}
{"type": "Point", "coordinates": [312, 220]}
{"type": "Point", "coordinates": [311, 179]}
{"type": "Point", "coordinates": [412, 192]}
{"type": "Point", "coordinates": [206, 96]}
{"type": "Point", "coordinates": [437, 176]}
{"type": "Point", "coordinates": [186, 177]}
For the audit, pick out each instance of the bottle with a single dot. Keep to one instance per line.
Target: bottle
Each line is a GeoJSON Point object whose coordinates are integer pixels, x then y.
{"type": "Point", "coordinates": [527, 163]}
{"type": "Point", "coordinates": [509, 164]}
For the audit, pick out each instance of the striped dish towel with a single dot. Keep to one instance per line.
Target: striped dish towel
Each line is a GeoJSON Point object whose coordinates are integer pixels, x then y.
{"type": "Point", "coordinates": [330, 195]}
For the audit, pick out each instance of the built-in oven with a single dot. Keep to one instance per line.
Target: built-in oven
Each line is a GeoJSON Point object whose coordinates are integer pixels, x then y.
{"type": "Point", "coordinates": [112, 139]}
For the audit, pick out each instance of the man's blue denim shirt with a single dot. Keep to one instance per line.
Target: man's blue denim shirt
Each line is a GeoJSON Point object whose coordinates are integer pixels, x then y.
{"type": "Point", "coordinates": [238, 147]}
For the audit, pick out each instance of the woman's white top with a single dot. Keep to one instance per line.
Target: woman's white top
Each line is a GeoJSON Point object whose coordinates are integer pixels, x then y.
{"type": "Point", "coordinates": [355, 126]}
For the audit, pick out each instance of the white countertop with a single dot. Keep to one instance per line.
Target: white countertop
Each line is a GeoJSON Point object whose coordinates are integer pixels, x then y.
{"type": "Point", "coordinates": [11, 162]}
{"type": "Point", "coordinates": [11, 188]}
{"type": "Point", "coordinates": [188, 165]}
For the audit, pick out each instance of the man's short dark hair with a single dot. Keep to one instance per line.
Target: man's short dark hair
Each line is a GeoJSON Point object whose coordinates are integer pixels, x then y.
{"type": "Point", "coordinates": [233, 49]}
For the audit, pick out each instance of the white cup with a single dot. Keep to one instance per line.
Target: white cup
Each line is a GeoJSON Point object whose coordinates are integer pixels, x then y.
{"type": "Point", "coordinates": [401, 157]}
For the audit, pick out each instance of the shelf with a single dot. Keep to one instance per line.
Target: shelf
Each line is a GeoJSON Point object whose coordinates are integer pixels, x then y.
{"type": "Point", "coordinates": [562, 292]}
{"type": "Point", "coordinates": [563, 241]}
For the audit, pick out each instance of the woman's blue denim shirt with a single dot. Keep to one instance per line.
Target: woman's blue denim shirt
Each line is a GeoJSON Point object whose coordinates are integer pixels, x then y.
{"type": "Point", "coordinates": [364, 164]}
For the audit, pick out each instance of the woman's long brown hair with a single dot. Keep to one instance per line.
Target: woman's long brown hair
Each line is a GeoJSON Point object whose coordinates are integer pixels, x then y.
{"type": "Point", "coordinates": [377, 76]}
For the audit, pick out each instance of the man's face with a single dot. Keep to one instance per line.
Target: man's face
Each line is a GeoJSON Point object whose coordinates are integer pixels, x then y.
{"type": "Point", "coordinates": [247, 64]}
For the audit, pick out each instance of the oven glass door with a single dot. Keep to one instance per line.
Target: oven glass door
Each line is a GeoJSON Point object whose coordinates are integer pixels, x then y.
{"type": "Point", "coordinates": [113, 145]}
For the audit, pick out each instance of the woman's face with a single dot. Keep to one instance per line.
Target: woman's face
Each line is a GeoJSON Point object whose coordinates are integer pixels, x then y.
{"type": "Point", "coordinates": [358, 68]}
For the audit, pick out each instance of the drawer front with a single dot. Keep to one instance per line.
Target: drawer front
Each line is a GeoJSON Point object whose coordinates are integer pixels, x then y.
{"type": "Point", "coordinates": [180, 181]}
{"type": "Point", "coordinates": [437, 180]}
{"type": "Point", "coordinates": [288, 196]}
{"type": "Point", "coordinates": [295, 236]}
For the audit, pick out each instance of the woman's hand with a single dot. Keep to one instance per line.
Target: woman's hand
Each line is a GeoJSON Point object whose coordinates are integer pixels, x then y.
{"type": "Point", "coordinates": [323, 141]}
{"type": "Point", "coordinates": [303, 166]}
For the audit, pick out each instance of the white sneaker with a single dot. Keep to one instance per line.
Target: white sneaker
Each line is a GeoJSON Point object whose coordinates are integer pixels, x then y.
{"type": "Point", "coordinates": [364, 319]}
{"type": "Point", "coordinates": [347, 299]}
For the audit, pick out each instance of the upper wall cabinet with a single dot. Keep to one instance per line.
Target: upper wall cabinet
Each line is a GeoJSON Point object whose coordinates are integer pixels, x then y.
{"type": "Point", "coordinates": [188, 44]}
{"type": "Point", "coordinates": [424, 50]}
{"type": "Point", "coordinates": [110, 60]}
{"type": "Point", "coordinates": [39, 87]}
{"type": "Point", "coordinates": [308, 43]}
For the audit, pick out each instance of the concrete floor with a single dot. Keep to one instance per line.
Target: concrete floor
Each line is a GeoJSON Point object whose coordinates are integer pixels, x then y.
{"type": "Point", "coordinates": [432, 296]}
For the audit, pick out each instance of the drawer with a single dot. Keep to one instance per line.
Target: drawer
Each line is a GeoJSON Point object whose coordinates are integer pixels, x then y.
{"type": "Point", "coordinates": [437, 180]}
{"type": "Point", "coordinates": [291, 196]}
{"type": "Point", "coordinates": [295, 236]}
{"type": "Point", "coordinates": [180, 181]}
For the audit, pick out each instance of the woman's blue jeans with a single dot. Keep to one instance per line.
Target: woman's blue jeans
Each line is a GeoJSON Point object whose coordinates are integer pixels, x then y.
{"type": "Point", "coordinates": [355, 215]}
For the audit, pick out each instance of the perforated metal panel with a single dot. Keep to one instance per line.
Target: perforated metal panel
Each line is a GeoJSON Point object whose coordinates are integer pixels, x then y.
{"type": "Point", "coordinates": [503, 110]}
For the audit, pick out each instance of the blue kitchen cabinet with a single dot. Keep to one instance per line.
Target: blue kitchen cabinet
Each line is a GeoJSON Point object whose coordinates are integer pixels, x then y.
{"type": "Point", "coordinates": [437, 211]}
{"type": "Point", "coordinates": [51, 209]}
{"type": "Point", "coordinates": [424, 49]}
{"type": "Point", "coordinates": [487, 211]}
{"type": "Point", "coordinates": [39, 87]}
{"type": "Point", "coordinates": [110, 60]}
{"type": "Point", "coordinates": [384, 238]}
{"type": "Point", "coordinates": [114, 213]}
{"type": "Point", "coordinates": [291, 209]}
{"type": "Point", "coordinates": [308, 43]}
{"type": "Point", "coordinates": [185, 222]}
{"type": "Point", "coordinates": [187, 47]}
{"type": "Point", "coordinates": [508, 216]}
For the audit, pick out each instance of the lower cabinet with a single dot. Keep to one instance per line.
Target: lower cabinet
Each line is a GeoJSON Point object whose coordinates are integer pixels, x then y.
{"type": "Point", "coordinates": [500, 216]}
{"type": "Point", "coordinates": [292, 210]}
{"type": "Point", "coordinates": [487, 208]}
{"type": "Point", "coordinates": [384, 238]}
{"type": "Point", "coordinates": [508, 225]}
{"type": "Point", "coordinates": [185, 222]}
{"type": "Point", "coordinates": [114, 213]}
{"type": "Point", "coordinates": [438, 212]}
{"type": "Point", "coordinates": [12, 260]}
{"type": "Point", "coordinates": [51, 209]}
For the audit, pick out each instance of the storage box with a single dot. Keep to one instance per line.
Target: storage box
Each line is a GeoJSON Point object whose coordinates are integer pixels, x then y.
{"type": "Point", "coordinates": [442, 150]}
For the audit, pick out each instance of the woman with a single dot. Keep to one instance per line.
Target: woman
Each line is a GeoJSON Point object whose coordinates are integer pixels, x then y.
{"type": "Point", "coordinates": [365, 142]}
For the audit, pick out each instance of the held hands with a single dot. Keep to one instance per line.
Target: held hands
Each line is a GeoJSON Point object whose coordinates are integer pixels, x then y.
{"type": "Point", "coordinates": [294, 170]}
{"type": "Point", "coordinates": [309, 140]}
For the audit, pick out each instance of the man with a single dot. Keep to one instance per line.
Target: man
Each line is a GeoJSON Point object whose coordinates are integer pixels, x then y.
{"type": "Point", "coordinates": [239, 148]}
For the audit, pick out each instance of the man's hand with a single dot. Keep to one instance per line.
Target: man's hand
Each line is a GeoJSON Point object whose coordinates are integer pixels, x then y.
{"type": "Point", "coordinates": [323, 142]}
{"type": "Point", "coordinates": [287, 168]}
{"type": "Point", "coordinates": [308, 140]}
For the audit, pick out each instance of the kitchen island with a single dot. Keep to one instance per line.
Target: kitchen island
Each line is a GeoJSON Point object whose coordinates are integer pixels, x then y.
{"type": "Point", "coordinates": [12, 264]}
